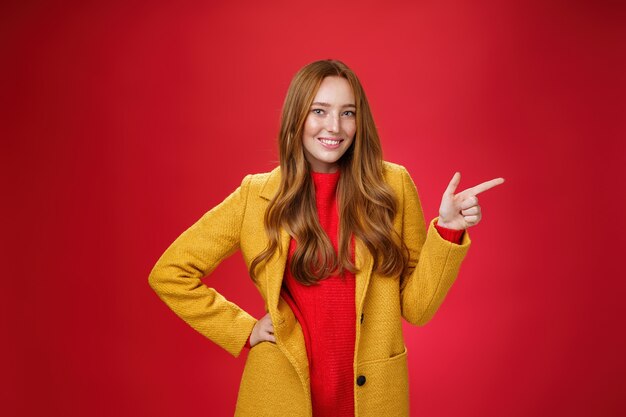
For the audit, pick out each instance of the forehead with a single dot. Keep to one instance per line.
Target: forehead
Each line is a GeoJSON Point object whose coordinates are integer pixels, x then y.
{"type": "Point", "coordinates": [335, 90]}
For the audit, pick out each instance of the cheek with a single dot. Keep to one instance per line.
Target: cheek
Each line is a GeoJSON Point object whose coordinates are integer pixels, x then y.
{"type": "Point", "coordinates": [351, 129]}
{"type": "Point", "coordinates": [311, 127]}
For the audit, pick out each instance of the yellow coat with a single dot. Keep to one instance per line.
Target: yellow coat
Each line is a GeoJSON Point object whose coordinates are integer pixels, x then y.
{"type": "Point", "coordinates": [275, 381]}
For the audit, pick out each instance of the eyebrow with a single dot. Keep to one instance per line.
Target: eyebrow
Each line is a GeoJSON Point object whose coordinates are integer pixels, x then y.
{"type": "Point", "coordinates": [319, 103]}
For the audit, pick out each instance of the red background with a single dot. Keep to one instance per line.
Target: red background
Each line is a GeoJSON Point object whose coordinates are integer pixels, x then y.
{"type": "Point", "coordinates": [123, 122]}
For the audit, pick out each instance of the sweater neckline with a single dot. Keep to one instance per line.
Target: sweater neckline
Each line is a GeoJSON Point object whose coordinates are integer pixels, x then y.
{"type": "Point", "coordinates": [325, 183]}
{"type": "Point", "coordinates": [326, 173]}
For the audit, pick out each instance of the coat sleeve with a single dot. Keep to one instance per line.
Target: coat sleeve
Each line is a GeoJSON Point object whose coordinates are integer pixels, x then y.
{"type": "Point", "coordinates": [433, 261]}
{"type": "Point", "coordinates": [176, 277]}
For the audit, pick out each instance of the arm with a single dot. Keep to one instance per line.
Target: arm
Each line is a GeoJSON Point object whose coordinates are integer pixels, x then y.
{"type": "Point", "coordinates": [433, 262]}
{"type": "Point", "coordinates": [176, 277]}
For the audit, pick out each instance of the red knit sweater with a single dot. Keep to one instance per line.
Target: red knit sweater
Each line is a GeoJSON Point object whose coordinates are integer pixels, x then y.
{"type": "Point", "coordinates": [327, 313]}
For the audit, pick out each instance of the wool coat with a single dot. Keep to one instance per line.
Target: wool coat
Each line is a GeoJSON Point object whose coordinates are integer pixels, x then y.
{"type": "Point", "coordinates": [275, 380]}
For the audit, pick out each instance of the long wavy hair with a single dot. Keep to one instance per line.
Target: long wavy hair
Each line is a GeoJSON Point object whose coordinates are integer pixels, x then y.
{"type": "Point", "coordinates": [366, 203]}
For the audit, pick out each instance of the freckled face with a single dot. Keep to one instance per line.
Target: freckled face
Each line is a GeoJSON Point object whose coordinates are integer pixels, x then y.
{"type": "Point", "coordinates": [330, 127]}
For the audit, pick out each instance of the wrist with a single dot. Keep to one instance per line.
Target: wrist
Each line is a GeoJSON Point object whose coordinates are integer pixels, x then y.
{"type": "Point", "coordinates": [251, 339]}
{"type": "Point", "coordinates": [443, 224]}
{"type": "Point", "coordinates": [449, 234]}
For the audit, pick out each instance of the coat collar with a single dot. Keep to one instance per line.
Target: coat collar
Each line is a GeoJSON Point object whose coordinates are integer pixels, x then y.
{"type": "Point", "coordinates": [271, 184]}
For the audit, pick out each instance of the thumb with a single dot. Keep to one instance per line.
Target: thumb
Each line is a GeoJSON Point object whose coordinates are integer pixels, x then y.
{"type": "Point", "coordinates": [454, 182]}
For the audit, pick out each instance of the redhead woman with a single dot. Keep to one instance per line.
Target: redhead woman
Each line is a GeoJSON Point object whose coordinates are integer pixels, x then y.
{"type": "Point", "coordinates": [336, 243]}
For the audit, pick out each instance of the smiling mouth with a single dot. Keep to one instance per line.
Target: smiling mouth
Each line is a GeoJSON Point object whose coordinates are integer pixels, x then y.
{"type": "Point", "coordinates": [330, 142]}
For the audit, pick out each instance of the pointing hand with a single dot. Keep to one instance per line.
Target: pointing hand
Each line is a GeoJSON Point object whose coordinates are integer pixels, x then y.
{"type": "Point", "coordinates": [460, 211]}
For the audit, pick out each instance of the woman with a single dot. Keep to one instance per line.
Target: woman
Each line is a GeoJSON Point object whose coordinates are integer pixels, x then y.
{"type": "Point", "coordinates": [335, 242]}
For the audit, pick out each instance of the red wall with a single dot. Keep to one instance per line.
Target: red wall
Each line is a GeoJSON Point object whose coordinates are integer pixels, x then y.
{"type": "Point", "coordinates": [123, 122]}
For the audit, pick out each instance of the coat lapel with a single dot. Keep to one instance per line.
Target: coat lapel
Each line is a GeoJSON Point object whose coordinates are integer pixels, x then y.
{"type": "Point", "coordinates": [289, 337]}
{"type": "Point", "coordinates": [364, 263]}
{"type": "Point", "coordinates": [276, 265]}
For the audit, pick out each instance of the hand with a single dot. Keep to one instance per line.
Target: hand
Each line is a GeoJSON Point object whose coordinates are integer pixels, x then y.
{"type": "Point", "coordinates": [263, 331]}
{"type": "Point", "coordinates": [461, 211]}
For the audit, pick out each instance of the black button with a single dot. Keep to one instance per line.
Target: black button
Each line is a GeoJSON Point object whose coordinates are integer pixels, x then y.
{"type": "Point", "coordinates": [361, 317]}
{"type": "Point", "coordinates": [360, 380]}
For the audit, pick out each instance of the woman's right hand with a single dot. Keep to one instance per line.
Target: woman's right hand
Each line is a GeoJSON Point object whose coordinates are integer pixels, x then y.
{"type": "Point", "coordinates": [263, 331]}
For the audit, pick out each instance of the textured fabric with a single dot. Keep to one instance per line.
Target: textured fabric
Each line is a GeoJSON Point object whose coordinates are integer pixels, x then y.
{"type": "Point", "coordinates": [276, 380]}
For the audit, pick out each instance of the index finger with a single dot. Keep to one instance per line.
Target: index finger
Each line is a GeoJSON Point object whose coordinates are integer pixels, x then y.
{"type": "Point", "coordinates": [477, 189]}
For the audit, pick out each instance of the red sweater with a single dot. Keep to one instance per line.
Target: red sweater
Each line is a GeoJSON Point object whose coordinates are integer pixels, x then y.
{"type": "Point", "coordinates": [327, 313]}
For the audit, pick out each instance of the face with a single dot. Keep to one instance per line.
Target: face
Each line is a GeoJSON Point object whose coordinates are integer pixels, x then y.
{"type": "Point", "coordinates": [330, 127]}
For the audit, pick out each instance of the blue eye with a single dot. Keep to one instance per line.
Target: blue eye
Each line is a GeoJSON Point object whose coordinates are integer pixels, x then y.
{"type": "Point", "coordinates": [349, 113]}
{"type": "Point", "coordinates": [318, 111]}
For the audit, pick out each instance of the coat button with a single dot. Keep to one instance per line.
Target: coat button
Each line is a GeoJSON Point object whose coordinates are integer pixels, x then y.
{"type": "Point", "coordinates": [361, 317]}
{"type": "Point", "coordinates": [360, 380]}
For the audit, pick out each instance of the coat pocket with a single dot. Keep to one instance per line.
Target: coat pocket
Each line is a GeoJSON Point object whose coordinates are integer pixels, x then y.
{"type": "Point", "coordinates": [269, 385]}
{"type": "Point", "coordinates": [382, 387]}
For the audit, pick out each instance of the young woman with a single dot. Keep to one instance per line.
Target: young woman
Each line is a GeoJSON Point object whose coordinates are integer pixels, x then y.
{"type": "Point", "coordinates": [335, 241]}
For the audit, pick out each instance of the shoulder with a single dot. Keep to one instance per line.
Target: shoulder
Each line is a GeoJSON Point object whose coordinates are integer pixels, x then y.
{"type": "Point", "coordinates": [391, 168]}
{"type": "Point", "coordinates": [259, 179]}
{"type": "Point", "coordinates": [263, 184]}
{"type": "Point", "coordinates": [395, 175]}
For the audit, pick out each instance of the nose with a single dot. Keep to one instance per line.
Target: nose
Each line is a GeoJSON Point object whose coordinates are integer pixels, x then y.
{"type": "Point", "coordinates": [332, 123]}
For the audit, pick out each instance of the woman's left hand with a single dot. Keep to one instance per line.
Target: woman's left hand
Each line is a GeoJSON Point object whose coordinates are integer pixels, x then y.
{"type": "Point", "coordinates": [460, 211]}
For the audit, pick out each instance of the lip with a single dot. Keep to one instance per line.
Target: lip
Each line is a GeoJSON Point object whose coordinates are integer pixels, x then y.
{"type": "Point", "coordinates": [327, 146]}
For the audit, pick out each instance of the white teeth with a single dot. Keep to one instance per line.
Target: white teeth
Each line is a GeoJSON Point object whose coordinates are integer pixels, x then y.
{"type": "Point", "coordinates": [330, 142]}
